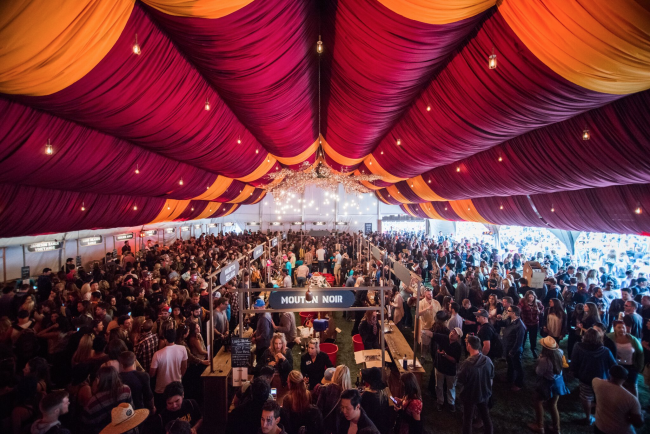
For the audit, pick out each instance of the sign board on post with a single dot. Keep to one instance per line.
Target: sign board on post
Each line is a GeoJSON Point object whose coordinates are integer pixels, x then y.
{"type": "Point", "coordinates": [284, 235]}
{"type": "Point", "coordinates": [150, 233]}
{"type": "Point", "coordinates": [45, 246]}
{"type": "Point", "coordinates": [258, 251]}
{"type": "Point", "coordinates": [169, 230]}
{"type": "Point", "coordinates": [274, 242]}
{"type": "Point", "coordinates": [25, 273]}
{"type": "Point", "coordinates": [212, 225]}
{"type": "Point", "coordinates": [114, 253]}
{"type": "Point", "coordinates": [228, 272]}
{"type": "Point", "coordinates": [318, 223]}
{"type": "Point", "coordinates": [402, 272]}
{"type": "Point", "coordinates": [185, 228]}
{"type": "Point", "coordinates": [123, 237]}
{"type": "Point", "coordinates": [77, 261]}
{"type": "Point", "coordinates": [368, 230]}
{"type": "Point", "coordinates": [376, 253]}
{"type": "Point", "coordinates": [240, 356]}
{"type": "Point", "coordinates": [90, 241]}
{"type": "Point", "coordinates": [320, 299]}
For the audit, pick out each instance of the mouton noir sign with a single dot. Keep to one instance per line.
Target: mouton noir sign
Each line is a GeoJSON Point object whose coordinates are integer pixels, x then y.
{"type": "Point", "coordinates": [320, 299]}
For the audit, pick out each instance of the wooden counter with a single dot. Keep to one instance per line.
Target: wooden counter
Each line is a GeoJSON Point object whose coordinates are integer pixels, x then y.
{"type": "Point", "coordinates": [215, 393]}
{"type": "Point", "coordinates": [397, 347]}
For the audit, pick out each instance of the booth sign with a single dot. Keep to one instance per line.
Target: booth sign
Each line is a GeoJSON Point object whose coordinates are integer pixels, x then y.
{"type": "Point", "coordinates": [229, 271]}
{"type": "Point", "coordinates": [274, 242]}
{"type": "Point", "coordinates": [169, 230]}
{"type": "Point", "coordinates": [123, 237]}
{"type": "Point", "coordinates": [90, 241]}
{"type": "Point", "coordinates": [322, 300]}
{"type": "Point", "coordinates": [258, 251]}
{"type": "Point", "coordinates": [45, 246]}
{"type": "Point", "coordinates": [150, 233]}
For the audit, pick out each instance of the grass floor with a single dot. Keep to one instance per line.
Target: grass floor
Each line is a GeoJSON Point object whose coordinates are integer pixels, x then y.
{"type": "Point", "coordinates": [511, 412]}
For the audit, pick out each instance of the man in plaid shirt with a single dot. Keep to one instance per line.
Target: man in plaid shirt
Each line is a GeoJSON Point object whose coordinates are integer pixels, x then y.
{"type": "Point", "coordinates": [146, 346]}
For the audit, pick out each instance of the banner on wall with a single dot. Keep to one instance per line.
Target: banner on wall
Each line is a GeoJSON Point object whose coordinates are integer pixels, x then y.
{"type": "Point", "coordinates": [318, 223]}
{"type": "Point", "coordinates": [90, 241]}
{"type": "Point", "coordinates": [45, 246]}
{"type": "Point", "coordinates": [297, 223]}
{"type": "Point", "coordinates": [228, 224]}
{"type": "Point", "coordinates": [197, 226]}
{"type": "Point", "coordinates": [123, 237]}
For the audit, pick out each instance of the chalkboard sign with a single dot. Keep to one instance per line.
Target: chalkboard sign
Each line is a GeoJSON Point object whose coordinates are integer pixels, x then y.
{"type": "Point", "coordinates": [368, 228]}
{"type": "Point", "coordinates": [258, 251]}
{"type": "Point", "coordinates": [77, 261]}
{"type": "Point", "coordinates": [228, 272]}
{"type": "Point", "coordinates": [320, 299]}
{"type": "Point", "coordinates": [240, 352]}
{"type": "Point", "coordinates": [25, 273]}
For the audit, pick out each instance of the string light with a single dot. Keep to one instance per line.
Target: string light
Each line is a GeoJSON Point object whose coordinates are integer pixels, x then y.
{"type": "Point", "coordinates": [585, 134]}
{"type": "Point", "coordinates": [48, 148]}
{"type": "Point", "coordinates": [83, 206]}
{"type": "Point", "coordinates": [492, 62]}
{"type": "Point", "coordinates": [136, 47]}
{"type": "Point", "coordinates": [319, 46]}
{"type": "Point", "coordinates": [207, 105]}
{"type": "Point", "coordinates": [137, 169]}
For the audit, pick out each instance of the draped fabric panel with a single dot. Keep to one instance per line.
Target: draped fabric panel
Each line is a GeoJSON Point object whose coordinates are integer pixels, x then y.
{"type": "Point", "coordinates": [615, 154]}
{"type": "Point", "coordinates": [362, 103]}
{"type": "Point", "coordinates": [198, 8]}
{"type": "Point", "coordinates": [262, 61]}
{"type": "Point", "coordinates": [516, 210]}
{"type": "Point", "coordinates": [446, 211]}
{"type": "Point", "coordinates": [599, 45]}
{"type": "Point", "coordinates": [438, 11]}
{"type": "Point", "coordinates": [156, 100]}
{"type": "Point", "coordinates": [474, 108]}
{"type": "Point", "coordinates": [66, 39]}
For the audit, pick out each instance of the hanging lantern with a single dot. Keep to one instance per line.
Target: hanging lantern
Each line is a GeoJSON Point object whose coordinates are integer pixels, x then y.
{"type": "Point", "coordinates": [136, 47]}
{"type": "Point", "coordinates": [319, 46]}
{"type": "Point", "coordinates": [585, 134]}
{"type": "Point", "coordinates": [48, 148]}
{"type": "Point", "coordinates": [492, 60]}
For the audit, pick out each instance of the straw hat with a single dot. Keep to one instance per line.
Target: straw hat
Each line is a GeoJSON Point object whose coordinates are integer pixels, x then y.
{"type": "Point", "coordinates": [124, 418]}
{"type": "Point", "coordinates": [549, 343]}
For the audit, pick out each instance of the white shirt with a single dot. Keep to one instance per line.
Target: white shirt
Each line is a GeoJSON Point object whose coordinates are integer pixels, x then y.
{"type": "Point", "coordinates": [286, 283]}
{"type": "Point", "coordinates": [613, 405]}
{"type": "Point", "coordinates": [338, 258]}
{"type": "Point", "coordinates": [167, 363]}
{"type": "Point", "coordinates": [320, 254]}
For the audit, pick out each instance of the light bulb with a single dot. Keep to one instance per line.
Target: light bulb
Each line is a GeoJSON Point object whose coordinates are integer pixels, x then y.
{"type": "Point", "coordinates": [428, 108]}
{"type": "Point", "coordinates": [429, 181]}
{"type": "Point", "coordinates": [586, 135]}
{"type": "Point", "coordinates": [180, 182]}
{"type": "Point", "coordinates": [399, 142]}
{"type": "Point", "coordinates": [469, 209]}
{"type": "Point", "coordinates": [192, 209]}
{"type": "Point", "coordinates": [552, 208]}
{"type": "Point", "coordinates": [638, 210]}
{"type": "Point", "coordinates": [207, 105]}
{"type": "Point", "coordinates": [500, 159]}
{"type": "Point", "coordinates": [136, 47]}
{"type": "Point", "coordinates": [458, 169]}
{"type": "Point", "coordinates": [445, 208]}
{"type": "Point", "coordinates": [501, 207]}
{"type": "Point", "coordinates": [257, 151]}
{"type": "Point", "coordinates": [239, 141]}
{"type": "Point", "coordinates": [168, 207]}
{"type": "Point", "coordinates": [135, 207]}
{"type": "Point", "coordinates": [370, 163]}
{"type": "Point", "coordinates": [492, 60]}
{"type": "Point", "coordinates": [83, 206]}
{"type": "Point", "coordinates": [137, 169]}
{"type": "Point", "coordinates": [48, 148]}
{"type": "Point", "coordinates": [319, 46]}
{"type": "Point", "coordinates": [207, 188]}
{"type": "Point", "coordinates": [411, 185]}
{"type": "Point", "coordinates": [382, 152]}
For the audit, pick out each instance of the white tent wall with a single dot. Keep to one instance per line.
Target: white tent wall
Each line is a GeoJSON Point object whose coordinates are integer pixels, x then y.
{"type": "Point", "coordinates": [12, 248]}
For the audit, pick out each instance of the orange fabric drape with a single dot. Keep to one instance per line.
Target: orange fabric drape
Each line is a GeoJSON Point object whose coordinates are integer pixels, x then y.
{"type": "Point", "coordinates": [210, 208]}
{"type": "Point", "coordinates": [394, 193]}
{"type": "Point", "coordinates": [262, 169]}
{"type": "Point", "coordinates": [303, 156]}
{"type": "Point", "coordinates": [245, 193]}
{"type": "Point", "coordinates": [430, 211]}
{"type": "Point", "coordinates": [379, 194]}
{"type": "Point", "coordinates": [421, 188]}
{"type": "Point", "coordinates": [171, 210]}
{"type": "Point", "coordinates": [437, 11]}
{"type": "Point", "coordinates": [45, 45]}
{"type": "Point", "coordinates": [217, 188]}
{"type": "Point", "coordinates": [343, 161]}
{"type": "Point", "coordinates": [407, 207]}
{"type": "Point", "coordinates": [374, 167]}
{"type": "Point", "coordinates": [198, 8]}
{"type": "Point", "coordinates": [232, 210]}
{"type": "Point", "coordinates": [597, 44]}
{"type": "Point", "coordinates": [467, 211]}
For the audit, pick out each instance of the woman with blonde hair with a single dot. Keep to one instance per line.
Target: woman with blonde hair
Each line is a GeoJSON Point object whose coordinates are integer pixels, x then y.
{"type": "Point", "coordinates": [84, 351]}
{"type": "Point", "coordinates": [85, 292]}
{"type": "Point", "coordinates": [342, 378]}
{"type": "Point", "coordinates": [279, 357]}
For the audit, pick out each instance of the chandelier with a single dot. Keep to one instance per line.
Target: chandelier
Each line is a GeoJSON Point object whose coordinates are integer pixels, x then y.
{"type": "Point", "coordinates": [295, 181]}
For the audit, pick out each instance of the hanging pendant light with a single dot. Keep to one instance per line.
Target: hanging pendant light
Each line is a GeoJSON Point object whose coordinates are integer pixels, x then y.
{"type": "Point", "coordinates": [48, 148]}
{"type": "Point", "coordinates": [180, 182]}
{"type": "Point", "coordinates": [552, 208]}
{"type": "Point", "coordinates": [585, 134]}
{"type": "Point", "coordinates": [319, 46]}
{"type": "Point", "coordinates": [207, 104]}
{"type": "Point", "coordinates": [638, 210]}
{"type": "Point", "coordinates": [399, 142]}
{"type": "Point", "coordinates": [136, 47]}
{"type": "Point", "coordinates": [135, 207]}
{"type": "Point", "coordinates": [492, 60]}
{"type": "Point", "coordinates": [137, 169]}
{"type": "Point", "coordinates": [83, 206]}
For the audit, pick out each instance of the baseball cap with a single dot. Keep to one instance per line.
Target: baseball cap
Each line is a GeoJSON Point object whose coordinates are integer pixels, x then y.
{"type": "Point", "coordinates": [259, 303]}
{"type": "Point", "coordinates": [458, 331]}
{"type": "Point", "coordinates": [482, 312]}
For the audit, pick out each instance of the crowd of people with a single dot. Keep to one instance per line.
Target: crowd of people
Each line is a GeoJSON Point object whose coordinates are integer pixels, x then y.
{"type": "Point", "coordinates": [121, 347]}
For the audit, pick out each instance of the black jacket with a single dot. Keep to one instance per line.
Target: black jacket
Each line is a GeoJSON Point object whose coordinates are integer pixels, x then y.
{"type": "Point", "coordinates": [343, 424]}
{"type": "Point", "coordinates": [513, 337]}
{"type": "Point", "coordinates": [475, 376]}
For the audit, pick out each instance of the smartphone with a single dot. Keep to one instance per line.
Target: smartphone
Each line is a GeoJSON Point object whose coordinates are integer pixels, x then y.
{"type": "Point", "coordinates": [170, 310]}
{"type": "Point", "coordinates": [274, 392]}
{"type": "Point", "coordinates": [78, 328]}
{"type": "Point", "coordinates": [394, 400]}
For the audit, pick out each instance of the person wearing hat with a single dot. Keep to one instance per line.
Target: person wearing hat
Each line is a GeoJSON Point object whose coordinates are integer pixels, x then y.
{"type": "Point", "coordinates": [124, 419]}
{"type": "Point", "coordinates": [617, 410]}
{"type": "Point", "coordinates": [446, 362]}
{"type": "Point", "coordinates": [549, 385]}
{"type": "Point", "coordinates": [374, 398]}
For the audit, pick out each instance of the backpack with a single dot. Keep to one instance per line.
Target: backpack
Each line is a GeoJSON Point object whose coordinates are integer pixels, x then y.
{"type": "Point", "coordinates": [27, 344]}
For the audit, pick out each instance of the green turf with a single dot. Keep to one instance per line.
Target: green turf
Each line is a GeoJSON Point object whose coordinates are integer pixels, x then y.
{"type": "Point", "coordinates": [511, 412]}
